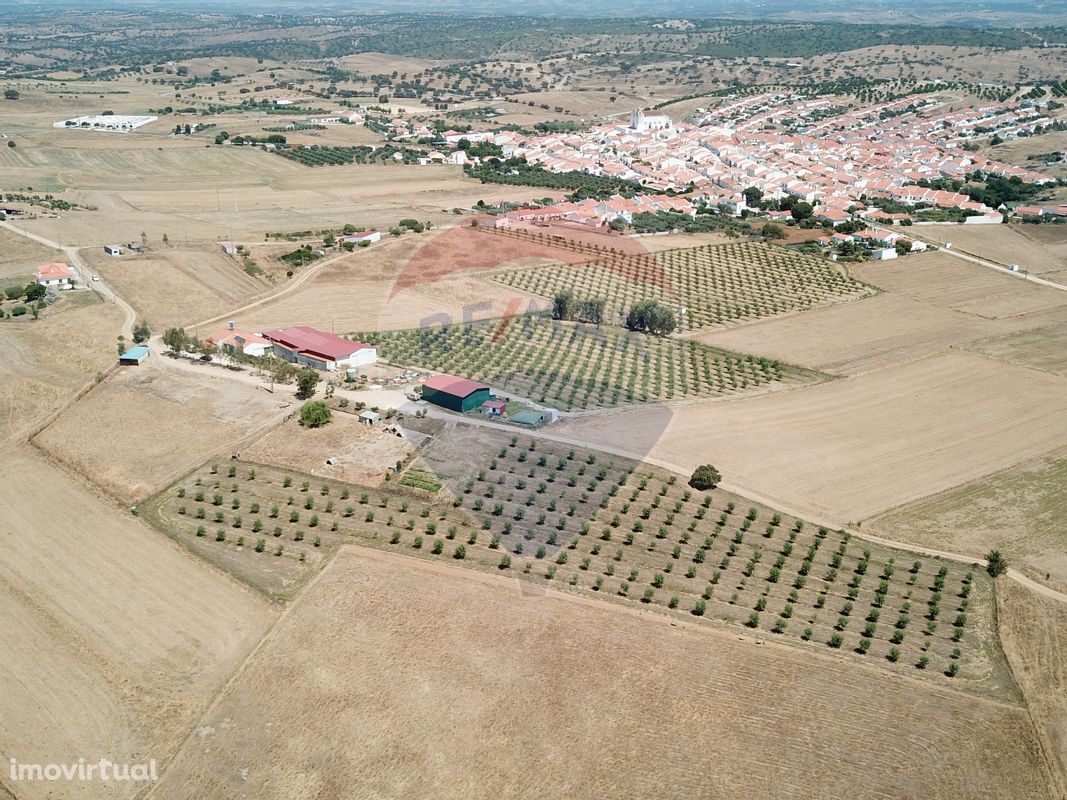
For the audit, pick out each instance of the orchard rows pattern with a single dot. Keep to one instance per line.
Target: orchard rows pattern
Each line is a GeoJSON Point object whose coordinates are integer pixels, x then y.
{"type": "Point", "coordinates": [717, 285]}
{"type": "Point", "coordinates": [574, 367]}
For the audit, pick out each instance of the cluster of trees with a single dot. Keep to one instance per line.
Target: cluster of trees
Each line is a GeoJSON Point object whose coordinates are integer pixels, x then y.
{"type": "Point", "coordinates": [653, 317]}
{"type": "Point", "coordinates": [660, 221]}
{"type": "Point", "coordinates": [518, 172]}
{"type": "Point", "coordinates": [565, 306]}
{"type": "Point", "coordinates": [30, 292]}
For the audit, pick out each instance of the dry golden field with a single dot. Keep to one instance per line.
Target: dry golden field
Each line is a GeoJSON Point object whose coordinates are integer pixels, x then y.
{"type": "Point", "coordinates": [144, 426]}
{"type": "Point", "coordinates": [402, 283]}
{"type": "Point", "coordinates": [175, 286]}
{"type": "Point", "coordinates": [1039, 249]}
{"type": "Point", "coordinates": [929, 304]}
{"type": "Point", "coordinates": [851, 448]}
{"type": "Point", "coordinates": [1033, 630]}
{"type": "Point", "coordinates": [1019, 511]}
{"type": "Point", "coordinates": [399, 678]}
{"type": "Point", "coordinates": [116, 639]}
{"type": "Point", "coordinates": [1042, 348]}
{"type": "Point", "coordinates": [45, 362]}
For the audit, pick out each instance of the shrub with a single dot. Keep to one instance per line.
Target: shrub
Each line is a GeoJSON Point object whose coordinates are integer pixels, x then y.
{"type": "Point", "coordinates": [699, 608]}
{"type": "Point", "coordinates": [705, 477]}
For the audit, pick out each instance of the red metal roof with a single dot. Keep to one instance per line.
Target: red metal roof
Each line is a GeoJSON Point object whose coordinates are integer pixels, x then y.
{"type": "Point", "coordinates": [450, 384]}
{"type": "Point", "coordinates": [306, 339]}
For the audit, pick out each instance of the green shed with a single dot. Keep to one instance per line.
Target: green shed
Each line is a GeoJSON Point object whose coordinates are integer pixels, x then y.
{"type": "Point", "coordinates": [455, 394]}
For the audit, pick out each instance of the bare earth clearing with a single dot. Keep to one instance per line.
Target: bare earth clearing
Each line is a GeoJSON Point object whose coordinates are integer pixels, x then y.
{"type": "Point", "coordinates": [115, 641]}
{"type": "Point", "coordinates": [362, 453]}
{"type": "Point", "coordinates": [402, 662]}
{"type": "Point", "coordinates": [20, 256]}
{"type": "Point", "coordinates": [143, 426]}
{"type": "Point", "coordinates": [851, 448]}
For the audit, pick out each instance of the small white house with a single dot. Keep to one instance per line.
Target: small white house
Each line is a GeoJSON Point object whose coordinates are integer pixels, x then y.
{"type": "Point", "coordinates": [884, 253]}
{"type": "Point", "coordinates": [58, 274]}
{"type": "Point", "coordinates": [113, 249]}
{"type": "Point", "coordinates": [369, 417]}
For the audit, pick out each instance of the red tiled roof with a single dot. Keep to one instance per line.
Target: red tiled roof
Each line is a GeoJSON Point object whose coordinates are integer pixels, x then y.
{"type": "Point", "coordinates": [450, 384]}
{"type": "Point", "coordinates": [50, 272]}
{"type": "Point", "coordinates": [306, 339]}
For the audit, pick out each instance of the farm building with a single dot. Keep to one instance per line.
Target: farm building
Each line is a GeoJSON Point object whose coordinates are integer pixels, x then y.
{"type": "Point", "coordinates": [495, 408]}
{"type": "Point", "coordinates": [369, 417]}
{"type": "Point", "coordinates": [310, 347]}
{"type": "Point", "coordinates": [884, 253]}
{"type": "Point", "coordinates": [250, 344]}
{"type": "Point", "coordinates": [57, 274]}
{"type": "Point", "coordinates": [455, 394]}
{"type": "Point", "coordinates": [370, 237]}
{"type": "Point", "coordinates": [134, 357]}
{"type": "Point", "coordinates": [113, 249]}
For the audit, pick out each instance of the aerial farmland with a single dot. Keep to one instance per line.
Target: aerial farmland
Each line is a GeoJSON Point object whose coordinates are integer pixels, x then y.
{"type": "Point", "coordinates": [452, 404]}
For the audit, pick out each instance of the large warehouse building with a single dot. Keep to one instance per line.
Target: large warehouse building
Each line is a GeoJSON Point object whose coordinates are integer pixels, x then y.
{"type": "Point", "coordinates": [455, 394]}
{"type": "Point", "coordinates": [311, 347]}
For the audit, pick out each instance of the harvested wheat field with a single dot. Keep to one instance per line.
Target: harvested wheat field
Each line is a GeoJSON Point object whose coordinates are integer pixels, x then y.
{"type": "Point", "coordinates": [949, 282]}
{"type": "Point", "coordinates": [395, 284]}
{"type": "Point", "coordinates": [144, 426]}
{"type": "Point", "coordinates": [1043, 349]}
{"type": "Point", "coordinates": [848, 449]}
{"type": "Point", "coordinates": [47, 361]}
{"type": "Point", "coordinates": [853, 338]}
{"type": "Point", "coordinates": [1021, 511]}
{"type": "Point", "coordinates": [393, 678]}
{"type": "Point", "coordinates": [1033, 630]}
{"type": "Point", "coordinates": [115, 641]}
{"type": "Point", "coordinates": [20, 256]}
{"type": "Point", "coordinates": [178, 286]}
{"type": "Point", "coordinates": [1038, 249]}
{"type": "Point", "coordinates": [362, 453]}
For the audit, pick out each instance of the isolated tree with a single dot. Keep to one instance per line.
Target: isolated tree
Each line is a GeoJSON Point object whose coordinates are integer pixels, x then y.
{"type": "Point", "coordinates": [175, 339]}
{"type": "Point", "coordinates": [306, 381]}
{"type": "Point", "coordinates": [11, 94]}
{"type": "Point", "coordinates": [314, 414]}
{"type": "Point", "coordinates": [705, 477]}
{"type": "Point", "coordinates": [141, 333]}
{"type": "Point", "coordinates": [996, 564]}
